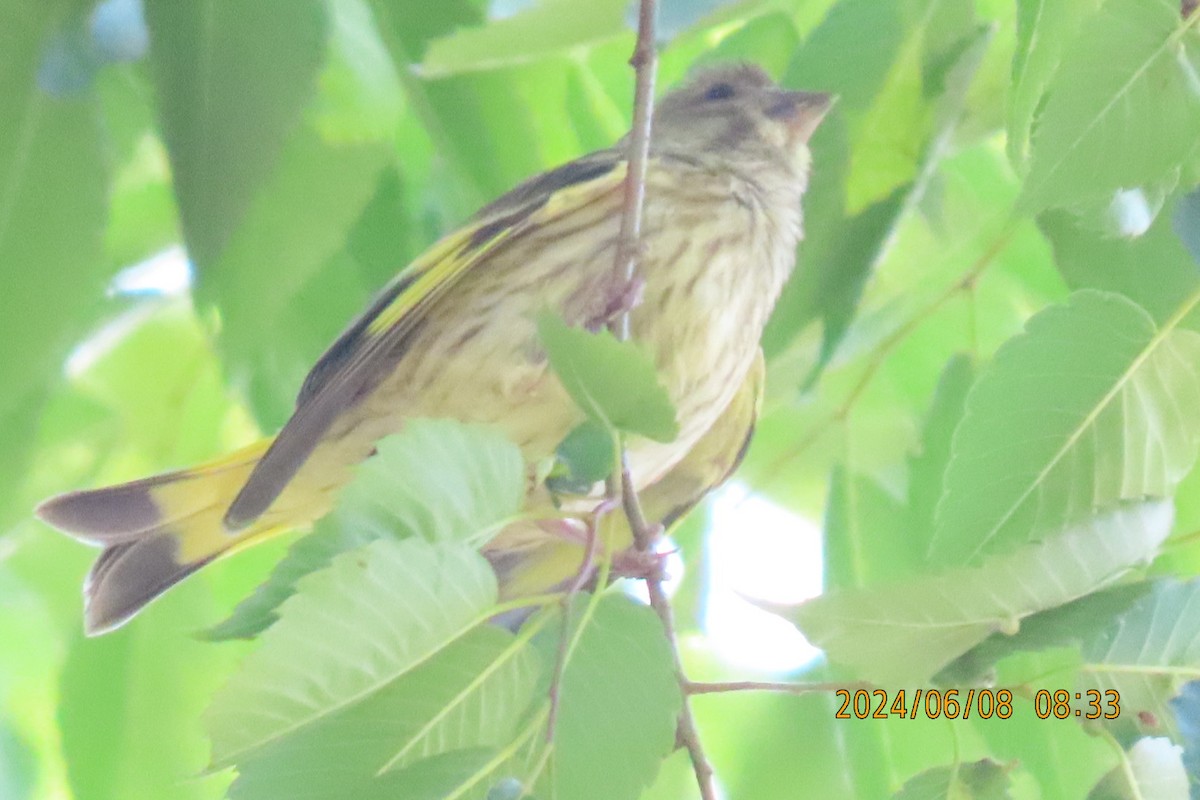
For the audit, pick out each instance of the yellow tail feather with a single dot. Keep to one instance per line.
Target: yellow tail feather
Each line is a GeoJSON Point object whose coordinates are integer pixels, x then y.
{"type": "Point", "coordinates": [157, 531]}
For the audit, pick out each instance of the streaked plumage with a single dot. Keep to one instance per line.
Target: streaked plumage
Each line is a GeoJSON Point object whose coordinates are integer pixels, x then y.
{"type": "Point", "coordinates": [454, 336]}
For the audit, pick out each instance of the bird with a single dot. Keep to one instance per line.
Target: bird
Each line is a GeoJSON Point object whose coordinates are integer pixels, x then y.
{"type": "Point", "coordinates": [454, 335]}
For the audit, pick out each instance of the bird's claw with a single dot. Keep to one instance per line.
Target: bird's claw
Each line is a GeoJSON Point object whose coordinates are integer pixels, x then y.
{"type": "Point", "coordinates": [625, 298]}
{"type": "Point", "coordinates": [641, 564]}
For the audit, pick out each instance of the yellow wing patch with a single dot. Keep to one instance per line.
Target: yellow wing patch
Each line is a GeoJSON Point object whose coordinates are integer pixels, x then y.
{"type": "Point", "coordinates": [442, 264]}
{"type": "Point", "coordinates": [372, 346]}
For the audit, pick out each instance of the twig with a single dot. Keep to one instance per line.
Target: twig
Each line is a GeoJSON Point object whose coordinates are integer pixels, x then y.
{"type": "Point", "coordinates": [619, 485]}
{"type": "Point", "coordinates": [686, 733]}
{"type": "Point", "coordinates": [645, 65]}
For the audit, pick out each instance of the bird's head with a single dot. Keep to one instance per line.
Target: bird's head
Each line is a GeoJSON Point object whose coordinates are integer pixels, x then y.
{"type": "Point", "coordinates": [736, 114]}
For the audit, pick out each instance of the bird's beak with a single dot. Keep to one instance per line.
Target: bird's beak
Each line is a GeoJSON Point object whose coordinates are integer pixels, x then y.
{"type": "Point", "coordinates": [802, 112]}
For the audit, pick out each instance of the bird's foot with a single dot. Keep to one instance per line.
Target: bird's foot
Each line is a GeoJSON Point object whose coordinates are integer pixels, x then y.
{"type": "Point", "coordinates": [626, 297]}
{"type": "Point", "coordinates": [642, 564]}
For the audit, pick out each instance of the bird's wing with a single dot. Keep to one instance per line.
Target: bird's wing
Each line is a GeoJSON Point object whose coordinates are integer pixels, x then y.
{"type": "Point", "coordinates": [371, 347]}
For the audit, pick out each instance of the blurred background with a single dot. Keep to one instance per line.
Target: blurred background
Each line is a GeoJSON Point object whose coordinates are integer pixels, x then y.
{"type": "Point", "coordinates": [196, 197]}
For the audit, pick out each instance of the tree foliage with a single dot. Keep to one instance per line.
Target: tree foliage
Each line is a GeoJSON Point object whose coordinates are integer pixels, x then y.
{"type": "Point", "coordinates": [984, 378]}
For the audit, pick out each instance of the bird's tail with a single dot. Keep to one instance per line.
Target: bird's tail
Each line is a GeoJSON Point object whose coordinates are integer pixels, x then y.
{"type": "Point", "coordinates": [158, 530]}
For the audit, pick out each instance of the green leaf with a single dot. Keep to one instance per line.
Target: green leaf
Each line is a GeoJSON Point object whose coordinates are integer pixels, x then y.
{"type": "Point", "coordinates": [862, 240]}
{"type": "Point", "coordinates": [1056, 756]}
{"type": "Point", "coordinates": [906, 127]}
{"type": "Point", "coordinates": [980, 780]}
{"type": "Point", "coordinates": [466, 699]}
{"type": "Point", "coordinates": [423, 22]}
{"type": "Point", "coordinates": [754, 746]}
{"type": "Point", "coordinates": [1147, 655]}
{"type": "Point", "coordinates": [143, 218]}
{"type": "Point", "coordinates": [359, 95]}
{"type": "Point", "coordinates": [550, 26]}
{"type": "Point", "coordinates": [441, 480]}
{"type": "Point", "coordinates": [769, 40]}
{"type": "Point", "coordinates": [585, 456]}
{"type": "Point", "coordinates": [842, 249]}
{"type": "Point", "coordinates": [53, 202]}
{"type": "Point", "coordinates": [290, 235]}
{"type": "Point", "coordinates": [620, 704]}
{"type": "Point", "coordinates": [283, 283]}
{"type": "Point", "coordinates": [233, 78]}
{"type": "Point", "coordinates": [904, 632]}
{"type": "Point", "coordinates": [927, 467]}
{"type": "Point", "coordinates": [1067, 625]}
{"type": "Point", "coordinates": [129, 704]}
{"type": "Point", "coordinates": [259, 611]}
{"type": "Point", "coordinates": [1154, 270]}
{"type": "Point", "coordinates": [613, 382]}
{"type": "Point", "coordinates": [866, 538]}
{"type": "Point", "coordinates": [374, 615]}
{"type": "Point", "coordinates": [461, 774]}
{"type": "Point", "coordinates": [843, 258]}
{"type": "Point", "coordinates": [436, 480]}
{"type": "Point", "coordinates": [850, 52]}
{"type": "Point", "coordinates": [1081, 411]}
{"type": "Point", "coordinates": [1123, 108]}
{"type": "Point", "coordinates": [824, 220]}
{"type": "Point", "coordinates": [536, 105]}
{"type": "Point", "coordinates": [1044, 29]}
{"type": "Point", "coordinates": [177, 417]}
{"type": "Point", "coordinates": [1127, 213]}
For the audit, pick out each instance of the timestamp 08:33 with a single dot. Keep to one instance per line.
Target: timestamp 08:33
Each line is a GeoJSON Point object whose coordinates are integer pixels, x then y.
{"type": "Point", "coordinates": [1091, 704]}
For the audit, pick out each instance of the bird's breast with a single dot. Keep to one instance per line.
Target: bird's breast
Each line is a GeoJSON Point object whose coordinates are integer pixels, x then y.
{"type": "Point", "coordinates": [712, 267]}
{"type": "Point", "coordinates": [711, 283]}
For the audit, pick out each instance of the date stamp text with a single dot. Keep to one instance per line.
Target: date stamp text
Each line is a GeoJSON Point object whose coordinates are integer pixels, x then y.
{"type": "Point", "coordinates": [1091, 704]}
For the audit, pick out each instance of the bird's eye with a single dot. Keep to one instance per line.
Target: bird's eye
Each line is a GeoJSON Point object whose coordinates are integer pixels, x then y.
{"type": "Point", "coordinates": [719, 91]}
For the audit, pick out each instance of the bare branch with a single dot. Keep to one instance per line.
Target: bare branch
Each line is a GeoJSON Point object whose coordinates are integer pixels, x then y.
{"type": "Point", "coordinates": [645, 64]}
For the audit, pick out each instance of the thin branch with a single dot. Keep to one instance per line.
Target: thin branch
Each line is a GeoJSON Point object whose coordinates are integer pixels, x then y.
{"type": "Point", "coordinates": [686, 733]}
{"type": "Point", "coordinates": [645, 65]}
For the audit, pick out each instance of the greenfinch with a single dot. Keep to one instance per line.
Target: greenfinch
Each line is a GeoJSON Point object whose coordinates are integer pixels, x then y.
{"type": "Point", "coordinates": [454, 335]}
